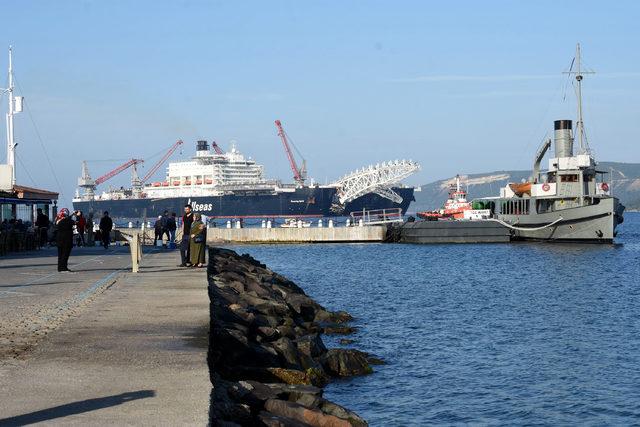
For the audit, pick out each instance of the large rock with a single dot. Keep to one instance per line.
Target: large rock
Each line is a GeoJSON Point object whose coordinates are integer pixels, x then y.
{"type": "Point", "coordinates": [340, 362]}
{"type": "Point", "coordinates": [271, 420]}
{"type": "Point", "coordinates": [331, 408]}
{"type": "Point", "coordinates": [288, 352]}
{"type": "Point", "coordinates": [303, 306]}
{"type": "Point", "coordinates": [311, 345]}
{"type": "Point", "coordinates": [311, 417]}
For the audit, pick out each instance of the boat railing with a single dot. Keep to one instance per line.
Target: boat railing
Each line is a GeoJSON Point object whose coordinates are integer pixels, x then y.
{"type": "Point", "coordinates": [377, 216]}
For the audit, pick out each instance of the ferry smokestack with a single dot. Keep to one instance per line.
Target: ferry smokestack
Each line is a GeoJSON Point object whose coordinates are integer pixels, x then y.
{"type": "Point", "coordinates": [202, 145]}
{"type": "Point", "coordinates": [563, 138]}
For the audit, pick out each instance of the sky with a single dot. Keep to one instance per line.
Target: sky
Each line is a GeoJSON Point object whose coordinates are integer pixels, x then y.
{"type": "Point", "coordinates": [460, 87]}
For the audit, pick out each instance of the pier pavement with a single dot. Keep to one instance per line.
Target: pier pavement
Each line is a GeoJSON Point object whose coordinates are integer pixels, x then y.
{"type": "Point", "coordinates": [103, 345]}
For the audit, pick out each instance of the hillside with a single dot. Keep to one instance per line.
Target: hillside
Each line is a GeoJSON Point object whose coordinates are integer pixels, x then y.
{"type": "Point", "coordinates": [626, 185]}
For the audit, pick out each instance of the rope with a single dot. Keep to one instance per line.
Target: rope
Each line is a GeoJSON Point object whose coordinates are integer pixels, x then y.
{"type": "Point", "coordinates": [526, 228]}
{"type": "Point", "coordinates": [44, 150]}
{"type": "Point", "coordinates": [24, 168]}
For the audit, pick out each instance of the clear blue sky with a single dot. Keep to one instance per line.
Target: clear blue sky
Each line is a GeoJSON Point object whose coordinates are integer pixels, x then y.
{"type": "Point", "coordinates": [462, 87]}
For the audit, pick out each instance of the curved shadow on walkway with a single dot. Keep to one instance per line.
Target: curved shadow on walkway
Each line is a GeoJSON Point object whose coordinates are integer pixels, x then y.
{"type": "Point", "coordinates": [76, 408]}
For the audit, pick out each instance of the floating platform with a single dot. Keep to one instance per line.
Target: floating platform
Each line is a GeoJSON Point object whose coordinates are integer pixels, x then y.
{"type": "Point", "coordinates": [481, 231]}
{"type": "Point", "coordinates": [373, 233]}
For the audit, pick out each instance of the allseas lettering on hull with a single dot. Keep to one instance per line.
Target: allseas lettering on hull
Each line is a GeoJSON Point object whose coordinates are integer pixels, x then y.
{"type": "Point", "coordinates": [200, 206]}
{"type": "Point", "coordinates": [297, 201]}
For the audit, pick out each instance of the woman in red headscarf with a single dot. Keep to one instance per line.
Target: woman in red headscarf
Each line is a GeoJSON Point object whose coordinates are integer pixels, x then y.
{"type": "Point", "coordinates": [64, 238]}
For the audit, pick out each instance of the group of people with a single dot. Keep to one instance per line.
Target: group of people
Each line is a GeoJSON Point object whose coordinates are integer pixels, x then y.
{"type": "Point", "coordinates": [192, 245]}
{"type": "Point", "coordinates": [194, 237]}
{"type": "Point", "coordinates": [165, 225]}
{"type": "Point", "coordinates": [65, 223]}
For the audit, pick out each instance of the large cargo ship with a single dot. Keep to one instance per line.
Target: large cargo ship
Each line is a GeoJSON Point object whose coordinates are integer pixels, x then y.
{"type": "Point", "coordinates": [227, 185]}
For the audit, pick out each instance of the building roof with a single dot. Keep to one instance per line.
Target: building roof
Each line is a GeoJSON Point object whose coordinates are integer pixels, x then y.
{"type": "Point", "coordinates": [23, 192]}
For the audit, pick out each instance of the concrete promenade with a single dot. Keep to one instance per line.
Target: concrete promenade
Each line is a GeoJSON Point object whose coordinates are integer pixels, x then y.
{"type": "Point", "coordinates": [103, 346]}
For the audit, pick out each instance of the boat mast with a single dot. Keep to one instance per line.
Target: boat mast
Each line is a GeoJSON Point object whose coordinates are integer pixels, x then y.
{"type": "Point", "coordinates": [11, 146]}
{"type": "Point", "coordinates": [584, 148]}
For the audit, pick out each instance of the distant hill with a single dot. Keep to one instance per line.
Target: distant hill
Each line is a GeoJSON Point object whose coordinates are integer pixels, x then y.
{"type": "Point", "coordinates": [626, 185]}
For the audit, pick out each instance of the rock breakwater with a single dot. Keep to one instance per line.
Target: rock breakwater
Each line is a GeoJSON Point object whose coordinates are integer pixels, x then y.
{"type": "Point", "coordinates": [267, 361]}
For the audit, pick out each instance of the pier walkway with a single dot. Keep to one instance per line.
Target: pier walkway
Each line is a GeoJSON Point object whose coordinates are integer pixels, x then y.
{"type": "Point", "coordinates": [103, 345]}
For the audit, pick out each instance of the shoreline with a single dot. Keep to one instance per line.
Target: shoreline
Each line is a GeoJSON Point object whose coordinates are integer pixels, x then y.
{"type": "Point", "coordinates": [268, 364]}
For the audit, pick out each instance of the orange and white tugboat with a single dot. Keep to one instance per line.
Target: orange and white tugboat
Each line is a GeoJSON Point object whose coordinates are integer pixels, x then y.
{"type": "Point", "coordinates": [453, 208]}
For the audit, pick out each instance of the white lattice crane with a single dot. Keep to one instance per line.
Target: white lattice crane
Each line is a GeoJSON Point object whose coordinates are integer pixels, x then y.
{"type": "Point", "coordinates": [375, 179]}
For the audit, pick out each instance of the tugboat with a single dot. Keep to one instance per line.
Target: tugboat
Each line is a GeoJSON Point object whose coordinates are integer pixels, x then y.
{"type": "Point", "coordinates": [571, 201]}
{"type": "Point", "coordinates": [453, 208]}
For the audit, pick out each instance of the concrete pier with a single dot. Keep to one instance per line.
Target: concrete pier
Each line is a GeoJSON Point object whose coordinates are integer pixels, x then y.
{"type": "Point", "coordinates": [297, 235]}
{"type": "Point", "coordinates": [103, 345]}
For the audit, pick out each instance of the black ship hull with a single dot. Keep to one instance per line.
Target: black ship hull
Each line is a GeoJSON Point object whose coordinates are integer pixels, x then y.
{"type": "Point", "coordinates": [310, 202]}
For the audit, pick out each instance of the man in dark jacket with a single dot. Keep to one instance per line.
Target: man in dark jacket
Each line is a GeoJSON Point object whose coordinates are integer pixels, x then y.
{"type": "Point", "coordinates": [106, 225]}
{"type": "Point", "coordinates": [64, 238]}
{"type": "Point", "coordinates": [164, 222]}
{"type": "Point", "coordinates": [157, 231]}
{"type": "Point", "coordinates": [42, 225]}
{"type": "Point", "coordinates": [187, 220]}
{"type": "Point", "coordinates": [172, 226]}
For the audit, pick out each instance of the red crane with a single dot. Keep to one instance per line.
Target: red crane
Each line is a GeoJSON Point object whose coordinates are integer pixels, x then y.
{"type": "Point", "coordinates": [117, 170]}
{"type": "Point", "coordinates": [216, 148]}
{"type": "Point", "coordinates": [164, 158]}
{"type": "Point", "coordinates": [299, 174]}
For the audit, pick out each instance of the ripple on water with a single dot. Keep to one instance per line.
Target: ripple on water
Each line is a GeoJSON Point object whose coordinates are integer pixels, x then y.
{"type": "Point", "coordinates": [483, 334]}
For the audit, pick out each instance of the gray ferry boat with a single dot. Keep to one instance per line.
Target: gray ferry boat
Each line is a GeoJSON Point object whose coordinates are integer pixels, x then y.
{"type": "Point", "coordinates": [570, 201]}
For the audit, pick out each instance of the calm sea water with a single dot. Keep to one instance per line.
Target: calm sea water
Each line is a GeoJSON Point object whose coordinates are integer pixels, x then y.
{"type": "Point", "coordinates": [545, 334]}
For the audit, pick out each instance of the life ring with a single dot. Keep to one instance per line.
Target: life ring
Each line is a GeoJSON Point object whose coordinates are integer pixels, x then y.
{"type": "Point", "coordinates": [604, 186]}
{"type": "Point", "coordinates": [545, 187]}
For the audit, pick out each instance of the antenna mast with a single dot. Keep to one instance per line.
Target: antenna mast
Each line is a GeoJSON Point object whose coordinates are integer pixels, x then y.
{"type": "Point", "coordinates": [11, 145]}
{"type": "Point", "coordinates": [579, 75]}
{"type": "Point", "coordinates": [15, 106]}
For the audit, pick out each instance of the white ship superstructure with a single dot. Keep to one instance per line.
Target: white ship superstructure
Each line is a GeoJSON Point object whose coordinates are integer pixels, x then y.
{"type": "Point", "coordinates": [210, 173]}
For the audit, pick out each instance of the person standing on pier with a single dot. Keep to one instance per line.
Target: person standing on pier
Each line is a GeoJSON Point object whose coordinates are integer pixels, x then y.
{"type": "Point", "coordinates": [172, 226]}
{"type": "Point", "coordinates": [165, 229]}
{"type": "Point", "coordinates": [64, 238]}
{"type": "Point", "coordinates": [81, 224]}
{"type": "Point", "coordinates": [90, 241]}
{"type": "Point", "coordinates": [106, 225]}
{"type": "Point", "coordinates": [187, 221]}
{"type": "Point", "coordinates": [157, 231]}
{"type": "Point", "coordinates": [198, 240]}
{"type": "Point", "coordinates": [42, 224]}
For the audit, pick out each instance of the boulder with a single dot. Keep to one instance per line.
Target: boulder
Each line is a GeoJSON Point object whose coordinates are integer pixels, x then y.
{"type": "Point", "coordinates": [331, 408]}
{"type": "Point", "coordinates": [288, 352]}
{"type": "Point", "coordinates": [312, 417]}
{"type": "Point", "coordinates": [311, 345]}
{"type": "Point", "coordinates": [337, 329]}
{"type": "Point", "coordinates": [271, 420]}
{"type": "Point", "coordinates": [303, 305]}
{"type": "Point", "coordinates": [268, 333]}
{"type": "Point", "coordinates": [340, 362]}
{"type": "Point", "coordinates": [333, 316]}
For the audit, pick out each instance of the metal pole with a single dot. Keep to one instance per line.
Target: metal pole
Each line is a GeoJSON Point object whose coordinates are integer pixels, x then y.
{"type": "Point", "coordinates": [10, 138]}
{"type": "Point", "coordinates": [579, 80]}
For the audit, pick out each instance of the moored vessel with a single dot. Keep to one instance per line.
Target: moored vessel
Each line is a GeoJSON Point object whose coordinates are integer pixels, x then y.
{"type": "Point", "coordinates": [454, 207]}
{"type": "Point", "coordinates": [571, 200]}
{"type": "Point", "coordinates": [228, 185]}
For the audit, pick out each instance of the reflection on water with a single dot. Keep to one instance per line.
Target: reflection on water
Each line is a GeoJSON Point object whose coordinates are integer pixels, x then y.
{"type": "Point", "coordinates": [514, 333]}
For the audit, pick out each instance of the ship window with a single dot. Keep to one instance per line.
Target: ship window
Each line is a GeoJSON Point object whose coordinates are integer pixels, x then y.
{"type": "Point", "coordinates": [569, 178]}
